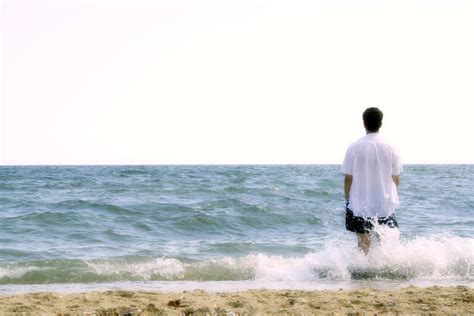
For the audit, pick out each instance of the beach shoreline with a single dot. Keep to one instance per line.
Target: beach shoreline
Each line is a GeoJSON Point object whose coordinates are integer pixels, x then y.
{"type": "Point", "coordinates": [437, 300]}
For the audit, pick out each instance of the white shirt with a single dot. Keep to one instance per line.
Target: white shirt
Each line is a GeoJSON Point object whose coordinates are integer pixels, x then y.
{"type": "Point", "coordinates": [372, 162]}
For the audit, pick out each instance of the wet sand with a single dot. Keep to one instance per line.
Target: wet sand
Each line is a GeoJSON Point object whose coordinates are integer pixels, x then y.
{"type": "Point", "coordinates": [411, 300]}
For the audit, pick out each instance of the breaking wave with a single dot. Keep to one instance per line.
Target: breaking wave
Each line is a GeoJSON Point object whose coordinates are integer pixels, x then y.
{"type": "Point", "coordinates": [432, 257]}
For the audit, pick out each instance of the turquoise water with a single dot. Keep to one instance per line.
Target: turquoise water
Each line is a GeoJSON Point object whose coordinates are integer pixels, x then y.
{"type": "Point", "coordinates": [165, 226]}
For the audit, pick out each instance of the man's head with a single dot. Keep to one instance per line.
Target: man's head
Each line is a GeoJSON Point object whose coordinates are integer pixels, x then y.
{"type": "Point", "coordinates": [372, 119]}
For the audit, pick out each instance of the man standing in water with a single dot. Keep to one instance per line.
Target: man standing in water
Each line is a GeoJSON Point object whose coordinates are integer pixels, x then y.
{"type": "Point", "coordinates": [371, 170]}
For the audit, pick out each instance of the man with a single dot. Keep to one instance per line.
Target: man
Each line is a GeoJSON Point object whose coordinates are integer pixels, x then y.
{"type": "Point", "coordinates": [371, 170]}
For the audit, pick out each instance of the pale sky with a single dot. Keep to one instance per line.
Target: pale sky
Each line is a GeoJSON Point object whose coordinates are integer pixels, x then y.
{"type": "Point", "coordinates": [172, 82]}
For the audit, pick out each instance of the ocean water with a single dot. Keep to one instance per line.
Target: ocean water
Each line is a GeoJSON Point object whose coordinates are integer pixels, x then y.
{"type": "Point", "coordinates": [73, 228]}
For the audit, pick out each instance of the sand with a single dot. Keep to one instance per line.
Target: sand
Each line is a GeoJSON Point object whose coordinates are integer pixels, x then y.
{"type": "Point", "coordinates": [407, 301]}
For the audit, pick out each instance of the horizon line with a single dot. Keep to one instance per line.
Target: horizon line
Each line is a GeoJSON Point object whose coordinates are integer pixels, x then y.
{"type": "Point", "coordinates": [213, 164]}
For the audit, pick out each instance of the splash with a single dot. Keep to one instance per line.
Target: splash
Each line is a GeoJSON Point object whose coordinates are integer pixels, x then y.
{"type": "Point", "coordinates": [391, 257]}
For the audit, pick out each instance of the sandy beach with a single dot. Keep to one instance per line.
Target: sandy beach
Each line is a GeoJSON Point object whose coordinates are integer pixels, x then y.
{"type": "Point", "coordinates": [411, 300]}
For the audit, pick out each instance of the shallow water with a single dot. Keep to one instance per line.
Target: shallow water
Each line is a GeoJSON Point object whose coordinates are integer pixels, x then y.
{"type": "Point", "coordinates": [218, 225]}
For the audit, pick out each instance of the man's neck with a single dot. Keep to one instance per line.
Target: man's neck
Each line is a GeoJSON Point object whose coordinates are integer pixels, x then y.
{"type": "Point", "coordinates": [368, 133]}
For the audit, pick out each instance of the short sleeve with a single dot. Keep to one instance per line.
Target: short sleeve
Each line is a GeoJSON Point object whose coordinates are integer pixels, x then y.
{"type": "Point", "coordinates": [348, 162]}
{"type": "Point", "coordinates": [397, 167]}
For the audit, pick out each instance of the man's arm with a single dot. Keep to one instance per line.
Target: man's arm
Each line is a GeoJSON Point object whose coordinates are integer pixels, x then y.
{"type": "Point", "coordinates": [347, 185]}
{"type": "Point", "coordinates": [396, 179]}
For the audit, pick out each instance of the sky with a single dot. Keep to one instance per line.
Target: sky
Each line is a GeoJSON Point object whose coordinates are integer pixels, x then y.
{"type": "Point", "coordinates": [233, 82]}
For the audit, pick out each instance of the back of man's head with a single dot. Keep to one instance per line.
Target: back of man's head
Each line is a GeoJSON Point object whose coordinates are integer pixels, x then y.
{"type": "Point", "coordinates": [372, 119]}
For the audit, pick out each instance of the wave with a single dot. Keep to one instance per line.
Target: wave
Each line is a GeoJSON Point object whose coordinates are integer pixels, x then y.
{"type": "Point", "coordinates": [433, 258]}
{"type": "Point", "coordinates": [69, 211]}
{"type": "Point", "coordinates": [79, 204]}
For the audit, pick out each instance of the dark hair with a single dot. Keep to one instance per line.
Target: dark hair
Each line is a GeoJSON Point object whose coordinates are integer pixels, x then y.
{"type": "Point", "coordinates": [372, 119]}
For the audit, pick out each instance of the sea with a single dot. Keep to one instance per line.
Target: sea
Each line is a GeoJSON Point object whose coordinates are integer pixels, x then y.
{"type": "Point", "coordinates": [225, 228]}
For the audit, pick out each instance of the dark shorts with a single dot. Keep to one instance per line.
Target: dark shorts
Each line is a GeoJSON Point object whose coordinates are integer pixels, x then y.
{"type": "Point", "coordinates": [364, 225]}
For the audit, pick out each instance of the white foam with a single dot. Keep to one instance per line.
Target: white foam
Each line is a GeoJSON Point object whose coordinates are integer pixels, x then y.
{"type": "Point", "coordinates": [392, 257]}
{"type": "Point", "coordinates": [432, 257]}
{"type": "Point", "coordinates": [13, 271]}
{"type": "Point", "coordinates": [167, 268]}
{"type": "Point", "coordinates": [338, 260]}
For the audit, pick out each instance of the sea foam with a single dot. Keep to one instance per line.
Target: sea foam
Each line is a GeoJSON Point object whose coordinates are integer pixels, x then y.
{"type": "Point", "coordinates": [394, 258]}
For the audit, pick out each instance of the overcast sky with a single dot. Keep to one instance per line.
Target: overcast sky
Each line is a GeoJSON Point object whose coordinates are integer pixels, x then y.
{"type": "Point", "coordinates": [171, 82]}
